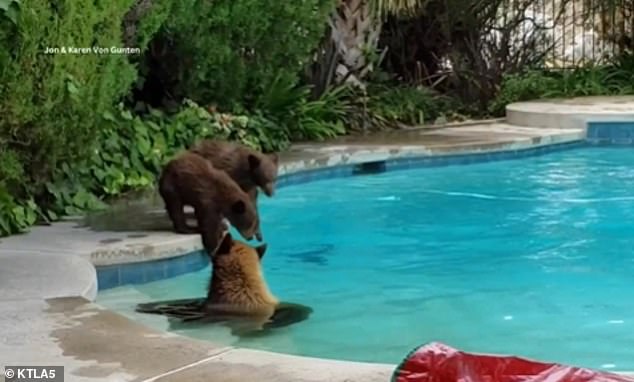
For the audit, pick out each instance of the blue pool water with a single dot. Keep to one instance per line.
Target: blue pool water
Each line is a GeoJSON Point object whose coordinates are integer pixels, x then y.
{"type": "Point", "coordinates": [532, 257]}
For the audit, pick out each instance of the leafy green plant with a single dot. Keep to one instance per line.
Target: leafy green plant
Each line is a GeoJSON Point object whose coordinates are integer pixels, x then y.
{"type": "Point", "coordinates": [132, 150]}
{"type": "Point", "coordinates": [397, 104]}
{"type": "Point", "coordinates": [15, 217]}
{"type": "Point", "coordinates": [615, 79]}
{"type": "Point", "coordinates": [10, 10]}
{"type": "Point", "coordinates": [62, 146]}
{"type": "Point", "coordinates": [51, 103]}
{"type": "Point", "coordinates": [299, 117]}
{"type": "Point", "coordinates": [322, 118]}
{"type": "Point", "coordinates": [522, 87]}
{"type": "Point", "coordinates": [240, 50]}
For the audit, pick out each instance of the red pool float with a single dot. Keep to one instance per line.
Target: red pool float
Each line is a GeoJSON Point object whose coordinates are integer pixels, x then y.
{"type": "Point", "coordinates": [436, 362]}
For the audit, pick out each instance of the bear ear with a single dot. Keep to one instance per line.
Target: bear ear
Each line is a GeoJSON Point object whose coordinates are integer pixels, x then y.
{"type": "Point", "coordinates": [254, 161]}
{"type": "Point", "coordinates": [261, 249]}
{"type": "Point", "coordinates": [239, 207]}
{"type": "Point", "coordinates": [225, 245]}
{"type": "Point", "coordinates": [274, 157]}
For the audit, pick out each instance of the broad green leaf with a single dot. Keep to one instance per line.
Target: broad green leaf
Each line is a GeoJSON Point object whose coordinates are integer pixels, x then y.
{"type": "Point", "coordinates": [18, 215]}
{"type": "Point", "coordinates": [4, 224]}
{"type": "Point", "coordinates": [72, 89]}
{"type": "Point", "coordinates": [31, 216]}
{"type": "Point", "coordinates": [81, 198]}
{"type": "Point", "coordinates": [126, 115]}
{"type": "Point", "coordinates": [52, 215]}
{"type": "Point", "coordinates": [4, 4]}
{"type": "Point", "coordinates": [108, 116]}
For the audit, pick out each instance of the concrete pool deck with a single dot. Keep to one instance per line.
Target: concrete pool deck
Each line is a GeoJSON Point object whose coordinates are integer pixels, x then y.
{"type": "Point", "coordinates": [48, 280]}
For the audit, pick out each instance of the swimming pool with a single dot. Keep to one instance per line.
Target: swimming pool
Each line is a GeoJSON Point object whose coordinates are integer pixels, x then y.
{"type": "Point", "coordinates": [531, 257]}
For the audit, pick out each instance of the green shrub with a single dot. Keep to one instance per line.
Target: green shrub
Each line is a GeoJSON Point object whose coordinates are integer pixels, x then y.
{"type": "Point", "coordinates": [241, 48]}
{"type": "Point", "coordinates": [132, 151]}
{"type": "Point", "coordinates": [303, 118]}
{"type": "Point", "coordinates": [51, 103]}
{"type": "Point", "coordinates": [615, 79]}
{"type": "Point", "coordinates": [522, 87]}
{"type": "Point", "coordinates": [398, 104]}
{"type": "Point", "coordinates": [54, 106]}
{"type": "Point", "coordinates": [145, 19]}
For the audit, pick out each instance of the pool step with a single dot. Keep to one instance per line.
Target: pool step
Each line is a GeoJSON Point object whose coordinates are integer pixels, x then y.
{"type": "Point", "coordinates": [570, 113]}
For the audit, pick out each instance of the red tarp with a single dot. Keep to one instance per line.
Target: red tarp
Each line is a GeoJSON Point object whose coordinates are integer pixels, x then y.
{"type": "Point", "coordinates": [437, 362]}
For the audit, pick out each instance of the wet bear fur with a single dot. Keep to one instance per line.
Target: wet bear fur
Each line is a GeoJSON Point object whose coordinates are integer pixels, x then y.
{"type": "Point", "coordinates": [238, 296]}
{"type": "Point", "coordinates": [238, 289]}
{"type": "Point", "coordinates": [189, 179]}
{"type": "Point", "coordinates": [237, 284]}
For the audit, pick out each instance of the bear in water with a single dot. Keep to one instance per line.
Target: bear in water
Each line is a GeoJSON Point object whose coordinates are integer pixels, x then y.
{"type": "Point", "coordinates": [238, 295]}
{"type": "Point", "coordinates": [189, 179]}
{"type": "Point", "coordinates": [247, 167]}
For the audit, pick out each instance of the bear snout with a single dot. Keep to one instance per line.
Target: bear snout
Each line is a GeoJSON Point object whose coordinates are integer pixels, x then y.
{"type": "Point", "coordinates": [269, 189]}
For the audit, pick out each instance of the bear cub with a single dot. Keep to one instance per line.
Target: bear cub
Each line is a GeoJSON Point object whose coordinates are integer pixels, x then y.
{"type": "Point", "coordinates": [237, 284]}
{"type": "Point", "coordinates": [189, 179]}
{"type": "Point", "coordinates": [238, 296]}
{"type": "Point", "coordinates": [247, 167]}
{"type": "Point", "coordinates": [238, 289]}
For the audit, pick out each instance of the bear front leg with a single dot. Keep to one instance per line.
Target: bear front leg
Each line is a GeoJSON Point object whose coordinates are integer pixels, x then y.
{"type": "Point", "coordinates": [211, 228]}
{"type": "Point", "coordinates": [253, 195]}
{"type": "Point", "coordinates": [174, 207]}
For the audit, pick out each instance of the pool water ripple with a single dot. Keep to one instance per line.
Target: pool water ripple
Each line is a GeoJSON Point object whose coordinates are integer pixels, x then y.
{"type": "Point", "coordinates": [531, 257]}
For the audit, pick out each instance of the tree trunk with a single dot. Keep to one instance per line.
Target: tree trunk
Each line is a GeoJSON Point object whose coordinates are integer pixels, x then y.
{"type": "Point", "coordinates": [355, 35]}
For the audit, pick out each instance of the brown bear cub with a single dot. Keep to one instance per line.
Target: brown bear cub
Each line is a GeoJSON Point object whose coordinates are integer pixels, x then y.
{"type": "Point", "coordinates": [237, 284]}
{"type": "Point", "coordinates": [238, 295]}
{"type": "Point", "coordinates": [191, 180]}
{"type": "Point", "coordinates": [247, 167]}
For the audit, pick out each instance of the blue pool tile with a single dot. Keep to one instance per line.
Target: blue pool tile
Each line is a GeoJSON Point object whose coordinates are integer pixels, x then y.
{"type": "Point", "coordinates": [322, 175]}
{"type": "Point", "coordinates": [622, 141]}
{"type": "Point", "coordinates": [480, 158]}
{"type": "Point", "coordinates": [398, 164]}
{"type": "Point", "coordinates": [617, 132]}
{"type": "Point", "coordinates": [345, 171]}
{"type": "Point", "coordinates": [132, 273]}
{"type": "Point", "coordinates": [592, 131]}
{"type": "Point", "coordinates": [495, 156]}
{"type": "Point", "coordinates": [603, 131]}
{"type": "Point", "coordinates": [108, 277]}
{"type": "Point", "coordinates": [301, 178]}
{"type": "Point", "coordinates": [196, 261]}
{"type": "Point", "coordinates": [505, 155]}
{"type": "Point", "coordinates": [177, 266]}
{"type": "Point", "coordinates": [425, 161]}
{"type": "Point", "coordinates": [468, 159]}
{"type": "Point", "coordinates": [395, 166]}
{"type": "Point", "coordinates": [154, 270]}
{"type": "Point", "coordinates": [407, 165]}
{"type": "Point", "coordinates": [620, 132]}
